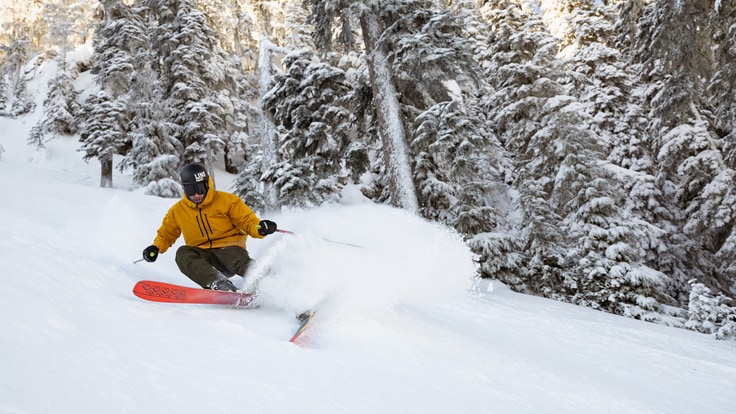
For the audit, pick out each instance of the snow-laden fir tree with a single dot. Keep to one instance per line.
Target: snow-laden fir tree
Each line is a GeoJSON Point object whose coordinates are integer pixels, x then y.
{"type": "Point", "coordinates": [3, 91]}
{"type": "Point", "coordinates": [194, 74]}
{"type": "Point", "coordinates": [722, 88]}
{"type": "Point", "coordinates": [61, 109]}
{"type": "Point", "coordinates": [608, 273]}
{"type": "Point", "coordinates": [119, 37]}
{"type": "Point", "coordinates": [458, 168]}
{"type": "Point", "coordinates": [155, 148]}
{"type": "Point", "coordinates": [457, 160]}
{"type": "Point", "coordinates": [118, 42]}
{"type": "Point", "coordinates": [311, 105]}
{"type": "Point", "coordinates": [581, 244]}
{"type": "Point", "coordinates": [127, 68]}
{"type": "Point", "coordinates": [674, 49]}
{"type": "Point", "coordinates": [103, 134]}
{"type": "Point", "coordinates": [22, 102]}
{"type": "Point", "coordinates": [332, 19]}
{"type": "Point", "coordinates": [16, 52]}
{"type": "Point", "coordinates": [602, 79]}
{"type": "Point", "coordinates": [709, 313]}
{"type": "Point", "coordinates": [722, 94]}
{"type": "Point", "coordinates": [543, 265]}
{"type": "Point", "coordinates": [518, 50]}
{"type": "Point", "coordinates": [154, 154]}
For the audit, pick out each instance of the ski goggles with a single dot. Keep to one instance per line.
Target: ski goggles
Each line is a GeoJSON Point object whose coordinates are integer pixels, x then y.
{"type": "Point", "coordinates": [195, 188]}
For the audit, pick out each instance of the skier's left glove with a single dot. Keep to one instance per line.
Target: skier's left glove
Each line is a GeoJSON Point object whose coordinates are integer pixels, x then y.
{"type": "Point", "coordinates": [150, 253]}
{"type": "Point", "coordinates": [266, 227]}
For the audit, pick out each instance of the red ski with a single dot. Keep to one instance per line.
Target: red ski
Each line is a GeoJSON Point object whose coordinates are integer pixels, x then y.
{"type": "Point", "coordinates": [304, 318]}
{"type": "Point", "coordinates": [166, 292]}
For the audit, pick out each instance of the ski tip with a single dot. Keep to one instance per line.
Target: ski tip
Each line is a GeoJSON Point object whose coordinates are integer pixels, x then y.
{"type": "Point", "coordinates": [304, 319]}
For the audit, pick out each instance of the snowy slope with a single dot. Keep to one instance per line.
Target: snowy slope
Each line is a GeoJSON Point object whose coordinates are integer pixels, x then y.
{"type": "Point", "coordinates": [401, 327]}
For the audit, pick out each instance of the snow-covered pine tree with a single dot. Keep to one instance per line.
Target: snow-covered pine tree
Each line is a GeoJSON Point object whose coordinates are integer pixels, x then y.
{"type": "Point", "coordinates": [722, 96]}
{"type": "Point", "coordinates": [118, 40]}
{"type": "Point", "coordinates": [61, 109]}
{"type": "Point", "coordinates": [723, 84]}
{"type": "Point", "coordinates": [603, 80]}
{"type": "Point", "coordinates": [103, 133]}
{"type": "Point", "coordinates": [458, 169]}
{"type": "Point", "coordinates": [155, 149]}
{"type": "Point", "coordinates": [457, 161]}
{"type": "Point", "coordinates": [676, 56]}
{"type": "Point", "coordinates": [16, 52]}
{"type": "Point", "coordinates": [517, 52]}
{"type": "Point", "coordinates": [543, 264]}
{"type": "Point", "coordinates": [334, 16]}
{"type": "Point", "coordinates": [193, 71]}
{"type": "Point", "coordinates": [22, 102]}
{"type": "Point", "coordinates": [709, 313]}
{"type": "Point", "coordinates": [608, 273]}
{"type": "Point", "coordinates": [59, 19]}
{"type": "Point", "coordinates": [582, 243]}
{"type": "Point", "coordinates": [3, 91]}
{"type": "Point", "coordinates": [233, 29]}
{"type": "Point", "coordinates": [311, 105]}
{"type": "Point", "coordinates": [127, 65]}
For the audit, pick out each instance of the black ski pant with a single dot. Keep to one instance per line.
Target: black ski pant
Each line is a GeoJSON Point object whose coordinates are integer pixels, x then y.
{"type": "Point", "coordinates": [205, 266]}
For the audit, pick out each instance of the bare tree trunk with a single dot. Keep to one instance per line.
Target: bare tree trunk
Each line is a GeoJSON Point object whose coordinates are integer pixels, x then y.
{"type": "Point", "coordinates": [390, 125]}
{"type": "Point", "coordinates": [106, 172]}
{"type": "Point", "coordinates": [268, 129]}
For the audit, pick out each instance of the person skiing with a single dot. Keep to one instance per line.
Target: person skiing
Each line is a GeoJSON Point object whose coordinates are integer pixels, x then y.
{"type": "Point", "coordinates": [215, 225]}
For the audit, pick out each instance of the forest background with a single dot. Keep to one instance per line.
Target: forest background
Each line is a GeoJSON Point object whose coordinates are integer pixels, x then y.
{"type": "Point", "coordinates": [585, 150]}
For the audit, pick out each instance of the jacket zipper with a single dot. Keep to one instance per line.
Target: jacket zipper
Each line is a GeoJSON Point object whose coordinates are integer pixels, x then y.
{"type": "Point", "coordinates": [204, 226]}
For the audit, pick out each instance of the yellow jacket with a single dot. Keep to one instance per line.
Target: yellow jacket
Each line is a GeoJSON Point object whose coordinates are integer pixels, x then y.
{"type": "Point", "coordinates": [221, 219]}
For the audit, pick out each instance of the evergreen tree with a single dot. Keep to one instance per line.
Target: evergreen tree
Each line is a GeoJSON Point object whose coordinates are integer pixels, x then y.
{"type": "Point", "coordinates": [22, 101]}
{"type": "Point", "coordinates": [723, 84]}
{"type": "Point", "coordinates": [544, 269]}
{"type": "Point", "coordinates": [194, 73]}
{"type": "Point", "coordinates": [675, 58]}
{"type": "Point", "coordinates": [674, 49]}
{"type": "Point", "coordinates": [117, 42]}
{"type": "Point", "coordinates": [457, 166]}
{"type": "Point", "coordinates": [3, 91]}
{"type": "Point", "coordinates": [104, 132]}
{"type": "Point", "coordinates": [16, 52]}
{"type": "Point", "coordinates": [60, 106]}
{"type": "Point", "coordinates": [310, 104]}
{"type": "Point", "coordinates": [154, 151]}
{"type": "Point", "coordinates": [375, 20]}
{"type": "Point", "coordinates": [709, 313]}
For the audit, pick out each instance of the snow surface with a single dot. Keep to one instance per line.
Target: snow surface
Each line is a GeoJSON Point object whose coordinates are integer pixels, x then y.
{"type": "Point", "coordinates": [401, 326]}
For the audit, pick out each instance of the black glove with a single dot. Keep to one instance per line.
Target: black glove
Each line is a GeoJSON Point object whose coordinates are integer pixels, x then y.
{"type": "Point", "coordinates": [266, 227]}
{"type": "Point", "coordinates": [150, 253]}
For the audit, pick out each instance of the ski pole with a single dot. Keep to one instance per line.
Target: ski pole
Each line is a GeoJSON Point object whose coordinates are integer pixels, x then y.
{"type": "Point", "coordinates": [323, 239]}
{"type": "Point", "coordinates": [136, 261]}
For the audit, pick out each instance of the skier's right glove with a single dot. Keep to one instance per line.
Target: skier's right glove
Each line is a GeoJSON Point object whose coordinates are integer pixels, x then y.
{"type": "Point", "coordinates": [150, 253]}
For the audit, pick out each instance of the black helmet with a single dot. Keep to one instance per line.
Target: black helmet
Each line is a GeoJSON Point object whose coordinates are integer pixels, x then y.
{"type": "Point", "coordinates": [194, 179]}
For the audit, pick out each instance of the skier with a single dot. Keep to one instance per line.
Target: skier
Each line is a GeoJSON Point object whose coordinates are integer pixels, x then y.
{"type": "Point", "coordinates": [215, 225]}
